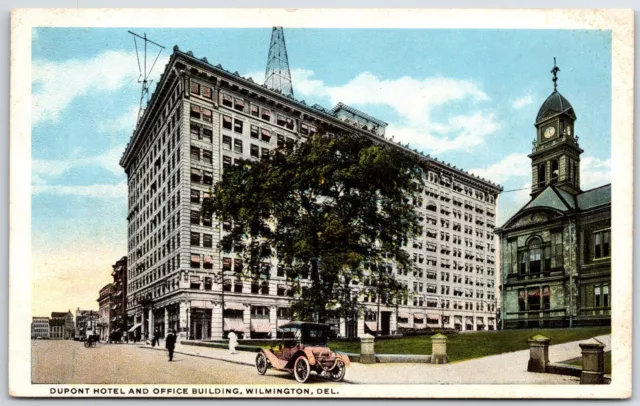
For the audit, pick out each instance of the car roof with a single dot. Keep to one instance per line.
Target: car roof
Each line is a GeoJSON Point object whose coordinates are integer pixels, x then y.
{"type": "Point", "coordinates": [300, 324]}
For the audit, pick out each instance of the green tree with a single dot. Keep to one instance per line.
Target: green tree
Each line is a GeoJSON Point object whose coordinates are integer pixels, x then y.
{"type": "Point", "coordinates": [333, 211]}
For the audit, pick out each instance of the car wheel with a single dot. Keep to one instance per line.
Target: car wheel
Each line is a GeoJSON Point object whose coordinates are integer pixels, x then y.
{"type": "Point", "coordinates": [301, 369]}
{"type": "Point", "coordinates": [338, 372]}
{"type": "Point", "coordinates": [261, 363]}
{"type": "Point", "coordinates": [86, 344]}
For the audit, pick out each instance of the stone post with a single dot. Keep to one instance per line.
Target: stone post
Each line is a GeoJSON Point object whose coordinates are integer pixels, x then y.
{"type": "Point", "coordinates": [367, 351]}
{"type": "Point", "coordinates": [592, 363]}
{"type": "Point", "coordinates": [538, 353]}
{"type": "Point", "coordinates": [439, 349]}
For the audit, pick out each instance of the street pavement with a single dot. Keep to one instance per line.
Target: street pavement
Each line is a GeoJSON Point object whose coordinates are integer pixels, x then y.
{"type": "Point", "coordinates": [70, 362]}
{"type": "Point", "coordinates": [64, 361]}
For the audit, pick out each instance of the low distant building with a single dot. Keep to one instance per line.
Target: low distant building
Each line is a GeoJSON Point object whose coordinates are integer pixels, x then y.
{"type": "Point", "coordinates": [104, 310]}
{"type": "Point", "coordinates": [40, 328]}
{"type": "Point", "coordinates": [86, 323]}
{"type": "Point", "coordinates": [62, 326]}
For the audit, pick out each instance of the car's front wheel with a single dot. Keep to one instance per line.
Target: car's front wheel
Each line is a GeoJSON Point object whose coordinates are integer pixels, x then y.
{"type": "Point", "coordinates": [338, 371]}
{"type": "Point", "coordinates": [301, 369]}
{"type": "Point", "coordinates": [261, 363]}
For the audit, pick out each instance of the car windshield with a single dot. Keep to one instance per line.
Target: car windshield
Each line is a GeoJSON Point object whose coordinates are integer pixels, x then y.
{"type": "Point", "coordinates": [316, 336]}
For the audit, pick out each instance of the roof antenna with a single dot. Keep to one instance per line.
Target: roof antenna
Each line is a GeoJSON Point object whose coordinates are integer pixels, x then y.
{"type": "Point", "coordinates": [555, 71]}
{"type": "Point", "coordinates": [144, 73]}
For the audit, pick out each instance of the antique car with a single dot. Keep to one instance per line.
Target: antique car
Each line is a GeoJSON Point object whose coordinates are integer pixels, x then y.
{"type": "Point", "coordinates": [304, 349]}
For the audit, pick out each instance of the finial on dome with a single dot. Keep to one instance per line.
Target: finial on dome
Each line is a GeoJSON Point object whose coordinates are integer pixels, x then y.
{"type": "Point", "coordinates": [555, 71]}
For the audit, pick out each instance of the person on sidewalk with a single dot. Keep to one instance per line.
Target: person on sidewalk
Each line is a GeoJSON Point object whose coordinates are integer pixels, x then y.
{"type": "Point", "coordinates": [156, 338]}
{"type": "Point", "coordinates": [170, 343]}
{"type": "Point", "coordinates": [233, 342]}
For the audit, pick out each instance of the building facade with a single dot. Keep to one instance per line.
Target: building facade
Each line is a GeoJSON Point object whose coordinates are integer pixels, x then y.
{"type": "Point", "coordinates": [105, 312]}
{"type": "Point", "coordinates": [118, 320]}
{"type": "Point", "coordinates": [87, 323]}
{"type": "Point", "coordinates": [556, 250]}
{"type": "Point", "coordinates": [40, 328]}
{"type": "Point", "coordinates": [62, 326]}
{"type": "Point", "coordinates": [200, 120]}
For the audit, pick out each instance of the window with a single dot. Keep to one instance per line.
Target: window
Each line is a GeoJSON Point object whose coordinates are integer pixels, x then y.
{"type": "Point", "coordinates": [254, 131]}
{"type": "Point", "coordinates": [255, 111]}
{"type": "Point", "coordinates": [601, 295]}
{"type": "Point", "coordinates": [207, 178]}
{"type": "Point", "coordinates": [195, 261]}
{"type": "Point", "coordinates": [195, 239]}
{"type": "Point", "coordinates": [265, 135]}
{"type": "Point", "coordinates": [226, 162]}
{"type": "Point", "coordinates": [266, 114]}
{"type": "Point", "coordinates": [255, 151]}
{"type": "Point", "coordinates": [195, 153]}
{"type": "Point", "coordinates": [555, 173]}
{"type": "Point", "coordinates": [226, 122]}
{"type": "Point", "coordinates": [601, 244]}
{"type": "Point", "coordinates": [281, 142]}
{"type": "Point", "coordinates": [196, 111]}
{"type": "Point", "coordinates": [522, 300]}
{"type": "Point", "coordinates": [238, 104]}
{"type": "Point", "coordinates": [237, 126]}
{"type": "Point", "coordinates": [226, 264]}
{"type": "Point", "coordinates": [206, 115]}
{"type": "Point", "coordinates": [281, 120]}
{"type": "Point", "coordinates": [227, 100]}
{"type": "Point", "coordinates": [196, 175]}
{"type": "Point", "coordinates": [533, 298]}
{"type": "Point", "coordinates": [206, 220]}
{"type": "Point", "coordinates": [290, 143]}
{"type": "Point", "coordinates": [195, 130]}
{"type": "Point", "coordinates": [207, 240]}
{"type": "Point", "coordinates": [195, 217]}
{"type": "Point", "coordinates": [237, 146]}
{"type": "Point", "coordinates": [535, 254]}
{"type": "Point", "coordinates": [546, 298]}
{"type": "Point", "coordinates": [207, 133]}
{"type": "Point", "coordinates": [195, 196]}
{"type": "Point", "coordinates": [207, 156]}
{"type": "Point", "coordinates": [207, 92]}
{"type": "Point", "coordinates": [542, 175]}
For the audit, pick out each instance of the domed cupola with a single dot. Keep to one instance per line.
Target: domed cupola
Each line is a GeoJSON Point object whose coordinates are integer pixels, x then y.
{"type": "Point", "coordinates": [555, 105]}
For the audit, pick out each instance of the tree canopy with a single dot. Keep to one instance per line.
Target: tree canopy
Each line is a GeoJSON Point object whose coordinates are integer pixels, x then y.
{"type": "Point", "coordinates": [335, 211]}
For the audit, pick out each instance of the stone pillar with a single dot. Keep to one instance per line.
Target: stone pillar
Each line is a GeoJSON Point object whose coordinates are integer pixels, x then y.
{"type": "Point", "coordinates": [183, 321]}
{"type": "Point", "coordinates": [151, 325]}
{"type": "Point", "coordinates": [393, 323]}
{"type": "Point", "coordinates": [246, 318]}
{"type": "Point", "coordinates": [538, 353]}
{"type": "Point", "coordinates": [367, 350]}
{"type": "Point", "coordinates": [166, 321]}
{"type": "Point", "coordinates": [217, 322]}
{"type": "Point", "coordinates": [343, 327]}
{"type": "Point", "coordinates": [592, 363]}
{"type": "Point", "coordinates": [439, 349]}
{"type": "Point", "coordinates": [273, 316]}
{"type": "Point", "coordinates": [360, 331]}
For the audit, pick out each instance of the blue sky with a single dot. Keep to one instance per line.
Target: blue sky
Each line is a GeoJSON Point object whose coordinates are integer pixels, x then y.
{"type": "Point", "coordinates": [469, 97]}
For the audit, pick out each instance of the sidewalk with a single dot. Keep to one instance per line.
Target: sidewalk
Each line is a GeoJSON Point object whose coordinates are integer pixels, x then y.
{"type": "Point", "coordinates": [507, 368]}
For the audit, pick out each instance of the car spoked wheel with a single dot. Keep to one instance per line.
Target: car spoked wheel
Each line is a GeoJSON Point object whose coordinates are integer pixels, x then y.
{"type": "Point", "coordinates": [338, 371]}
{"type": "Point", "coordinates": [261, 363]}
{"type": "Point", "coordinates": [301, 370]}
{"type": "Point", "coordinates": [87, 344]}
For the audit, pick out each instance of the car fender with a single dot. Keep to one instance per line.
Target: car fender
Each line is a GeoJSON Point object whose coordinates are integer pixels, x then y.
{"type": "Point", "coordinates": [275, 362]}
{"type": "Point", "coordinates": [344, 358]}
{"type": "Point", "coordinates": [310, 357]}
{"type": "Point", "coordinates": [304, 353]}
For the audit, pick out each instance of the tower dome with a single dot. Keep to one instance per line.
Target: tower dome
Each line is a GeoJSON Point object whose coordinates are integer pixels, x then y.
{"type": "Point", "coordinates": [555, 105]}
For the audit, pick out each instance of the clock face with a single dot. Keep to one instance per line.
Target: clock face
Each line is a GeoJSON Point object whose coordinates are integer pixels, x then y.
{"type": "Point", "coordinates": [549, 132]}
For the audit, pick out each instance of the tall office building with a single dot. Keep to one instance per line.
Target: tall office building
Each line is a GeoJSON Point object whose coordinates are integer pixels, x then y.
{"type": "Point", "coordinates": [199, 121]}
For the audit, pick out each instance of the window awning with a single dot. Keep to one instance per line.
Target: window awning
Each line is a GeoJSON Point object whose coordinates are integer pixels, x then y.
{"type": "Point", "coordinates": [371, 325]}
{"type": "Point", "coordinates": [233, 306]}
{"type": "Point", "coordinates": [260, 326]}
{"type": "Point", "coordinates": [135, 326]}
{"type": "Point", "coordinates": [480, 322]}
{"type": "Point", "coordinates": [418, 316]}
{"type": "Point", "coordinates": [233, 325]}
{"type": "Point", "coordinates": [457, 319]}
{"type": "Point", "coordinates": [491, 322]}
{"type": "Point", "coordinates": [404, 315]}
{"type": "Point", "coordinates": [434, 317]}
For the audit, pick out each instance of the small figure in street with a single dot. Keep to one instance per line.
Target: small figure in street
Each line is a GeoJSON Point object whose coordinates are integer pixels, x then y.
{"type": "Point", "coordinates": [233, 342]}
{"type": "Point", "coordinates": [156, 338]}
{"type": "Point", "coordinates": [170, 343]}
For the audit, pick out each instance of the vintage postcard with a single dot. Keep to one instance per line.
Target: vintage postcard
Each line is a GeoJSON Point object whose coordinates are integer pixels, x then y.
{"type": "Point", "coordinates": [321, 203]}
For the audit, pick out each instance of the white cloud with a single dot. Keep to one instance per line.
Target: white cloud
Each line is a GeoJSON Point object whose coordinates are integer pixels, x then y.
{"type": "Point", "coordinates": [96, 190]}
{"type": "Point", "coordinates": [594, 172]}
{"type": "Point", "coordinates": [523, 102]}
{"type": "Point", "coordinates": [125, 123]}
{"type": "Point", "coordinates": [59, 83]}
{"type": "Point", "coordinates": [414, 100]}
{"type": "Point", "coordinates": [514, 165]}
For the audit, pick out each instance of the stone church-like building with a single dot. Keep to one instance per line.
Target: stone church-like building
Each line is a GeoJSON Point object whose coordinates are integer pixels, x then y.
{"type": "Point", "coordinates": [556, 250]}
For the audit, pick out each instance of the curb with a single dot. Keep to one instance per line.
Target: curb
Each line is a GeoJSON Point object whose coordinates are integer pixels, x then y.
{"type": "Point", "coordinates": [202, 356]}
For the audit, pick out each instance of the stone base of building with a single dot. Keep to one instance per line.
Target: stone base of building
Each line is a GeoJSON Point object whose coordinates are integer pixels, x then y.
{"type": "Point", "coordinates": [564, 322]}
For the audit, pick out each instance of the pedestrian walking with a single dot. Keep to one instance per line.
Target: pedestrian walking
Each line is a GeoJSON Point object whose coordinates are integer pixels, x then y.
{"type": "Point", "coordinates": [156, 338]}
{"type": "Point", "coordinates": [233, 342]}
{"type": "Point", "coordinates": [170, 343]}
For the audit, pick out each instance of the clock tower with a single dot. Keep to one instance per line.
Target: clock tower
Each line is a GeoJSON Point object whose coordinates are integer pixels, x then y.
{"type": "Point", "coordinates": [555, 159]}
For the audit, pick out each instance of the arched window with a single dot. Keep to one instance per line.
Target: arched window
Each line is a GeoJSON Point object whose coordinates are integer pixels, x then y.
{"type": "Point", "coordinates": [535, 256]}
{"type": "Point", "coordinates": [542, 175]}
{"type": "Point", "coordinates": [555, 172]}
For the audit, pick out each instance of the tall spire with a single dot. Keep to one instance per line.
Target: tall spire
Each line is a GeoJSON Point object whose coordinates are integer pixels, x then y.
{"type": "Point", "coordinates": [555, 71]}
{"type": "Point", "coordinates": [278, 75]}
